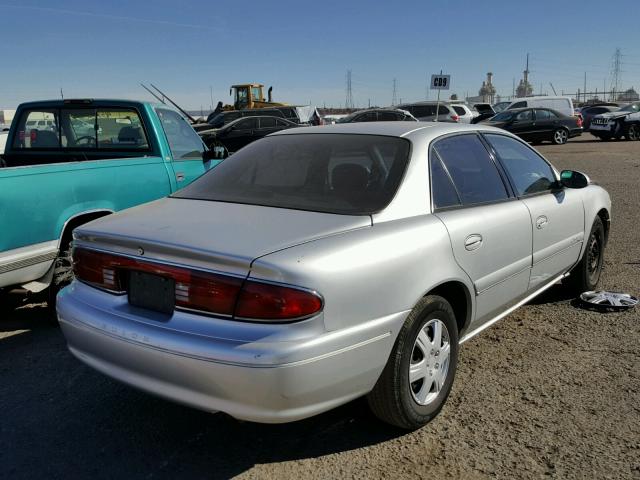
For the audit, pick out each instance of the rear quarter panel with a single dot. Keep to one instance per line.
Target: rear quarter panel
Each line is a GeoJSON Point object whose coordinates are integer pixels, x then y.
{"type": "Point", "coordinates": [368, 273]}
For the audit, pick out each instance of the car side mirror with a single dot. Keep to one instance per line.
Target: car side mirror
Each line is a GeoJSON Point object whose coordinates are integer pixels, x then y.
{"type": "Point", "coordinates": [573, 179]}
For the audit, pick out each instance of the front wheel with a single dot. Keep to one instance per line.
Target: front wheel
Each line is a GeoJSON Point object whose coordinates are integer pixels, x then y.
{"type": "Point", "coordinates": [586, 274]}
{"type": "Point", "coordinates": [419, 374]}
{"type": "Point", "coordinates": [633, 132]}
{"type": "Point", "coordinates": [560, 136]}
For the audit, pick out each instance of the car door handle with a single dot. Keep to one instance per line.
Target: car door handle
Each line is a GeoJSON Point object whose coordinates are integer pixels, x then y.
{"type": "Point", "coordinates": [541, 222]}
{"type": "Point", "coordinates": [179, 176]}
{"type": "Point", "coordinates": [473, 242]}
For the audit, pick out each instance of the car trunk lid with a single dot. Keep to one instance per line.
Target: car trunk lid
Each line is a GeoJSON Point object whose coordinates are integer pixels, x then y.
{"type": "Point", "coordinates": [225, 237]}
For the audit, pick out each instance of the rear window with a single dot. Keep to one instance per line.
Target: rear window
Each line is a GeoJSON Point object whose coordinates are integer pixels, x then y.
{"type": "Point", "coordinates": [332, 173]}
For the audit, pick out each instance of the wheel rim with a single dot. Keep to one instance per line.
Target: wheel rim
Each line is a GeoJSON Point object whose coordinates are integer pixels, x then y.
{"type": "Point", "coordinates": [634, 134]}
{"type": "Point", "coordinates": [593, 257]}
{"type": "Point", "coordinates": [429, 364]}
{"type": "Point", "coordinates": [560, 136]}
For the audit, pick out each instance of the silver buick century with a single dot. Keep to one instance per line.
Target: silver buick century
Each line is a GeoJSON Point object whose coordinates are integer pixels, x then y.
{"type": "Point", "coordinates": [322, 264]}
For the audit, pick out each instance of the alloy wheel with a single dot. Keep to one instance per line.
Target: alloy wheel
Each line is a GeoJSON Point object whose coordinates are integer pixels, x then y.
{"type": "Point", "coordinates": [560, 136]}
{"type": "Point", "coordinates": [429, 364]}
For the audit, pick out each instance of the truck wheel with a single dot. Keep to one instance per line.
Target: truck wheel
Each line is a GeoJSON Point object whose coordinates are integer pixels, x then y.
{"type": "Point", "coordinates": [560, 136]}
{"type": "Point", "coordinates": [418, 376]}
{"type": "Point", "coordinates": [633, 132]}
{"type": "Point", "coordinates": [62, 276]}
{"type": "Point", "coordinates": [586, 274]}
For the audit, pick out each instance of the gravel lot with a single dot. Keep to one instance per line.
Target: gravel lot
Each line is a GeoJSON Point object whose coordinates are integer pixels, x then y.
{"type": "Point", "coordinates": [551, 390]}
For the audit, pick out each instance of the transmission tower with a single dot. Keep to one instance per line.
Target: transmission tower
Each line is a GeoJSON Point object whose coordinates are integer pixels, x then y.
{"type": "Point", "coordinates": [394, 99]}
{"type": "Point", "coordinates": [615, 72]}
{"type": "Point", "coordinates": [349, 102]}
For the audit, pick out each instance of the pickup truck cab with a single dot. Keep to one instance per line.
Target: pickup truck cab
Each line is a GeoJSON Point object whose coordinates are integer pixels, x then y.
{"type": "Point", "coordinates": [67, 162]}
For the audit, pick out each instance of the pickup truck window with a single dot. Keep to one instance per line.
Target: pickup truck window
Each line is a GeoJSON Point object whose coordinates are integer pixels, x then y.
{"type": "Point", "coordinates": [38, 129]}
{"type": "Point", "coordinates": [184, 142]}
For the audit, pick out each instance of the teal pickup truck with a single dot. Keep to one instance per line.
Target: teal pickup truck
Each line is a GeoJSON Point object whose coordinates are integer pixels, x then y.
{"type": "Point", "coordinates": [67, 162]}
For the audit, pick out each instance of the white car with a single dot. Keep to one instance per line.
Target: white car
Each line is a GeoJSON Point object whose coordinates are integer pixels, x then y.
{"type": "Point", "coordinates": [560, 104]}
{"type": "Point", "coordinates": [465, 114]}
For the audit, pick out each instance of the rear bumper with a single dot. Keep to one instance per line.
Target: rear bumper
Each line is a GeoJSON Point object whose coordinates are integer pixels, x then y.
{"type": "Point", "coordinates": [298, 375]}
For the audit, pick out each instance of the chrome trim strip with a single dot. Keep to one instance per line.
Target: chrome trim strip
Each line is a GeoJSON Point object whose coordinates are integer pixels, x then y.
{"type": "Point", "coordinates": [486, 325]}
{"type": "Point", "coordinates": [27, 262]}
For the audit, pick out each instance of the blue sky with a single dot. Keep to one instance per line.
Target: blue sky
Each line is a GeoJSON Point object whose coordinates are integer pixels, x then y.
{"type": "Point", "coordinates": [104, 49]}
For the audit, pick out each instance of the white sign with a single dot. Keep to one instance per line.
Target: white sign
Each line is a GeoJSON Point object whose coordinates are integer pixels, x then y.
{"type": "Point", "coordinates": [440, 82]}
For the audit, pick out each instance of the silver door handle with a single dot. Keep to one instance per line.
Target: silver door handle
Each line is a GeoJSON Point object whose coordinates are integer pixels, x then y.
{"type": "Point", "coordinates": [541, 222]}
{"type": "Point", "coordinates": [179, 176]}
{"type": "Point", "coordinates": [473, 242]}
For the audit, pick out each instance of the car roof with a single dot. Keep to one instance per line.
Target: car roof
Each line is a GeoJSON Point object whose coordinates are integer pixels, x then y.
{"type": "Point", "coordinates": [423, 130]}
{"type": "Point", "coordinates": [88, 102]}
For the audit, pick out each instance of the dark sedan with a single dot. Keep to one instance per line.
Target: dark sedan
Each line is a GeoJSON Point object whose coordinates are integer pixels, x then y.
{"type": "Point", "coordinates": [538, 124]}
{"type": "Point", "coordinates": [238, 133]}
{"type": "Point", "coordinates": [379, 115]}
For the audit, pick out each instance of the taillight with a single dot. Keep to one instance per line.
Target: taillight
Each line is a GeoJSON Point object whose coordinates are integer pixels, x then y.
{"type": "Point", "coordinates": [579, 120]}
{"type": "Point", "coordinates": [265, 301]}
{"type": "Point", "coordinates": [201, 291]}
{"type": "Point", "coordinates": [33, 135]}
{"type": "Point", "coordinates": [455, 118]}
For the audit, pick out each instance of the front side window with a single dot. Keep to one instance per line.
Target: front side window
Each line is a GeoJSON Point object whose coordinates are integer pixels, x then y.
{"type": "Point", "coordinates": [267, 122]}
{"type": "Point", "coordinates": [471, 168]}
{"type": "Point", "coordinates": [518, 105]}
{"type": "Point", "coordinates": [184, 142]}
{"type": "Point", "coordinates": [367, 117]}
{"type": "Point", "coordinates": [529, 172]}
{"type": "Point", "coordinates": [37, 129]}
{"type": "Point", "coordinates": [333, 173]}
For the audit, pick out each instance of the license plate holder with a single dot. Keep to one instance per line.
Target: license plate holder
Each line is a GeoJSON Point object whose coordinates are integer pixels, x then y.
{"type": "Point", "coordinates": [152, 292]}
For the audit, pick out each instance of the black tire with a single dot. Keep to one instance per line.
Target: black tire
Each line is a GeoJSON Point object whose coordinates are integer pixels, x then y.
{"type": "Point", "coordinates": [560, 136]}
{"type": "Point", "coordinates": [62, 276]}
{"type": "Point", "coordinates": [586, 274]}
{"type": "Point", "coordinates": [605, 138]}
{"type": "Point", "coordinates": [392, 399]}
{"type": "Point", "coordinates": [633, 132]}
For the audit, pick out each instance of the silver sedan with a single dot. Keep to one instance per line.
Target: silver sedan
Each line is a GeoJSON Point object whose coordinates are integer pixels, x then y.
{"type": "Point", "coordinates": [322, 264]}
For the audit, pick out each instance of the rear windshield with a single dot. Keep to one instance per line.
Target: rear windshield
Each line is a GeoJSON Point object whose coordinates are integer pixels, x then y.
{"type": "Point", "coordinates": [333, 173]}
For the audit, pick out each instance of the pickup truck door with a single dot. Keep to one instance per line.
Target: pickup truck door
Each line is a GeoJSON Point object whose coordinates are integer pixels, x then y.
{"type": "Point", "coordinates": [557, 215]}
{"type": "Point", "coordinates": [183, 149]}
{"type": "Point", "coordinates": [489, 229]}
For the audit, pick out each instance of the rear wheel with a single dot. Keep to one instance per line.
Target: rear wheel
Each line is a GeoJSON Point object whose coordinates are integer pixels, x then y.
{"type": "Point", "coordinates": [62, 276]}
{"type": "Point", "coordinates": [560, 136]}
{"type": "Point", "coordinates": [419, 374]}
{"type": "Point", "coordinates": [586, 274]}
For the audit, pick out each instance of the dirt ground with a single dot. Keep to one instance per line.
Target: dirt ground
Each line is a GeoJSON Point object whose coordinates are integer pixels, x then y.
{"type": "Point", "coordinates": [551, 390]}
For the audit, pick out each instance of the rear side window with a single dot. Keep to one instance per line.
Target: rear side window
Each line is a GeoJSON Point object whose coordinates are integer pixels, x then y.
{"type": "Point", "coordinates": [37, 129]}
{"type": "Point", "coordinates": [472, 170]}
{"type": "Point", "coordinates": [184, 142]}
{"type": "Point", "coordinates": [334, 173]}
{"type": "Point", "coordinates": [529, 172]}
{"type": "Point", "coordinates": [459, 110]}
{"type": "Point", "coordinates": [443, 192]}
{"type": "Point", "coordinates": [543, 115]}
{"type": "Point", "coordinates": [518, 105]}
{"type": "Point", "coordinates": [267, 122]}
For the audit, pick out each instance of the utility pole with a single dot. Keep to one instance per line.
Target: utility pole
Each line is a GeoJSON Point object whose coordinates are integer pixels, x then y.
{"type": "Point", "coordinates": [615, 72]}
{"type": "Point", "coordinates": [394, 99]}
{"type": "Point", "coordinates": [61, 94]}
{"type": "Point", "coordinates": [211, 95]}
{"type": "Point", "coordinates": [513, 90]}
{"type": "Point", "coordinates": [349, 101]}
{"type": "Point", "coordinates": [585, 87]}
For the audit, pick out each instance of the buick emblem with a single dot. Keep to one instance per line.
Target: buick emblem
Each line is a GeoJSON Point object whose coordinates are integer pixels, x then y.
{"type": "Point", "coordinates": [140, 251]}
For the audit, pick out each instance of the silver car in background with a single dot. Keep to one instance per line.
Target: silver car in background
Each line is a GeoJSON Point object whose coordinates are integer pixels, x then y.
{"type": "Point", "coordinates": [322, 264]}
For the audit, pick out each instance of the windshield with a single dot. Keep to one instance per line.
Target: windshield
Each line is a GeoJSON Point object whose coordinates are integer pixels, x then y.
{"type": "Point", "coordinates": [632, 107]}
{"type": "Point", "coordinates": [332, 173]}
{"type": "Point", "coordinates": [502, 117]}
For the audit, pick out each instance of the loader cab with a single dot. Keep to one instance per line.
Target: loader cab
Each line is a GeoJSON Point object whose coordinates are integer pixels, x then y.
{"type": "Point", "coordinates": [246, 95]}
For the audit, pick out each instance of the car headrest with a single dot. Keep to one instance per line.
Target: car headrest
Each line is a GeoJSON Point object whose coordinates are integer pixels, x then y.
{"type": "Point", "coordinates": [130, 135]}
{"type": "Point", "coordinates": [44, 139]}
{"type": "Point", "coordinates": [349, 177]}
